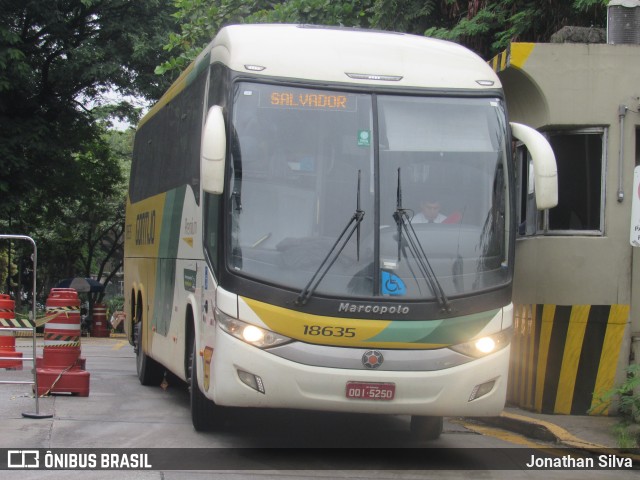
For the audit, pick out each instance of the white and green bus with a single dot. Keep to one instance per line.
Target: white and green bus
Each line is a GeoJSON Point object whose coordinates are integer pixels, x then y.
{"type": "Point", "coordinates": [277, 253]}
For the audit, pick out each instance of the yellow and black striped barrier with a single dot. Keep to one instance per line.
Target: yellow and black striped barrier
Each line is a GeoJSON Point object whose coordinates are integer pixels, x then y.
{"type": "Point", "coordinates": [57, 340]}
{"type": "Point", "coordinates": [564, 357]}
{"type": "Point", "coordinates": [501, 61]}
{"type": "Point", "coordinates": [16, 323]}
{"type": "Point", "coordinates": [24, 321]}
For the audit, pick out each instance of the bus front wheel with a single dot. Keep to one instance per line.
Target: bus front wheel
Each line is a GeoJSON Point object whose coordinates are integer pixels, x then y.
{"type": "Point", "coordinates": [426, 428]}
{"type": "Point", "coordinates": [204, 412]}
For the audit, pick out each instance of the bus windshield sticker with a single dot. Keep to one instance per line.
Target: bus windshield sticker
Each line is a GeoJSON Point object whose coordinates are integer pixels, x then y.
{"type": "Point", "coordinates": [190, 277]}
{"type": "Point", "coordinates": [392, 284]}
{"type": "Point", "coordinates": [364, 138]}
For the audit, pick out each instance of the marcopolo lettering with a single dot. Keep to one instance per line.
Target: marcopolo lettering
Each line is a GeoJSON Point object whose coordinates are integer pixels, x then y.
{"type": "Point", "coordinates": [146, 228]}
{"type": "Point", "coordinates": [346, 307]}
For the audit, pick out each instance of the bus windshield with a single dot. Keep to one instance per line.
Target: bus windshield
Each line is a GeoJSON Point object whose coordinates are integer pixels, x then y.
{"type": "Point", "coordinates": [304, 160]}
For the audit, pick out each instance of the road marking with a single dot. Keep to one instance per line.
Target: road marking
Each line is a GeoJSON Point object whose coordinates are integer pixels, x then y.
{"type": "Point", "coordinates": [119, 345]}
{"type": "Point", "coordinates": [504, 435]}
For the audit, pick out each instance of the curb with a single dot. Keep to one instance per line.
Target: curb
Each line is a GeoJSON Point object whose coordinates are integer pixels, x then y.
{"type": "Point", "coordinates": [548, 432]}
{"type": "Point", "coordinates": [540, 430]}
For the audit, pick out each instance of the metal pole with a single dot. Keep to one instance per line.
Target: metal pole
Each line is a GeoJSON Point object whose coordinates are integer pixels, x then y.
{"type": "Point", "coordinates": [37, 413]}
{"type": "Point", "coordinates": [622, 112]}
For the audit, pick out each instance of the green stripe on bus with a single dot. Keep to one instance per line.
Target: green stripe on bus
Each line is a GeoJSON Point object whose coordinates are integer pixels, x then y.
{"type": "Point", "coordinates": [167, 253]}
{"type": "Point", "coordinates": [171, 221]}
{"type": "Point", "coordinates": [445, 332]}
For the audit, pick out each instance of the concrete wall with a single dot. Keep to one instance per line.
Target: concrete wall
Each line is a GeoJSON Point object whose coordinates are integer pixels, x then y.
{"type": "Point", "coordinates": [575, 296]}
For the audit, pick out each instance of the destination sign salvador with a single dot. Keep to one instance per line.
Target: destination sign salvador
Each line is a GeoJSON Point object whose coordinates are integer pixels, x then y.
{"type": "Point", "coordinates": [309, 100]}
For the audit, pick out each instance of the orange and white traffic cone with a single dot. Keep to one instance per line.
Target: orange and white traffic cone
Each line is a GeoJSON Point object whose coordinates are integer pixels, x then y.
{"type": "Point", "coordinates": [61, 368]}
{"type": "Point", "coordinates": [7, 338]}
{"type": "Point", "coordinates": [99, 326]}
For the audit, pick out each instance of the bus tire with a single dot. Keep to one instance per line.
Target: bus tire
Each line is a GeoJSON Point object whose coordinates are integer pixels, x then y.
{"type": "Point", "coordinates": [149, 371]}
{"type": "Point", "coordinates": [426, 428]}
{"type": "Point", "coordinates": [204, 412]}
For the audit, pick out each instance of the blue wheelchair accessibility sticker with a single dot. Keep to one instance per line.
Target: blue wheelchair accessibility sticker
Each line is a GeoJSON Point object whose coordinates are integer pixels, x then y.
{"type": "Point", "coordinates": [392, 284]}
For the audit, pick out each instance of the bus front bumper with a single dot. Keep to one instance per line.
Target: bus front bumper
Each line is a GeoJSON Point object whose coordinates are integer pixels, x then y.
{"type": "Point", "coordinates": [245, 376]}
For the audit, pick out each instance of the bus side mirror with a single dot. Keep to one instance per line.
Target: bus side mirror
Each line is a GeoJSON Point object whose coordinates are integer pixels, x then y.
{"type": "Point", "coordinates": [545, 170]}
{"type": "Point", "coordinates": [213, 151]}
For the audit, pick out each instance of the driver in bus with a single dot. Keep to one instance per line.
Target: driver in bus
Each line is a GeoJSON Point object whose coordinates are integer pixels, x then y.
{"type": "Point", "coordinates": [429, 212]}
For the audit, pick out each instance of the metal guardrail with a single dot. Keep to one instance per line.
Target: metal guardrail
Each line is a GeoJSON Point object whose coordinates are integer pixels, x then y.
{"type": "Point", "coordinates": [34, 382]}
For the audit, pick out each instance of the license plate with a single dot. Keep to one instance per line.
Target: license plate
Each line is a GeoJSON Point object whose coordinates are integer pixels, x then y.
{"type": "Point", "coordinates": [371, 391]}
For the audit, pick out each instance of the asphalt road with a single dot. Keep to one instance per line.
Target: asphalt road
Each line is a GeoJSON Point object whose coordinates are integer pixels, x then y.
{"type": "Point", "coordinates": [119, 413]}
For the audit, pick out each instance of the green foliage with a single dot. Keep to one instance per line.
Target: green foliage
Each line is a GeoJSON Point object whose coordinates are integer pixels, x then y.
{"type": "Point", "coordinates": [317, 12]}
{"type": "Point", "coordinates": [56, 60]}
{"type": "Point", "coordinates": [627, 396]}
{"type": "Point", "coordinates": [79, 232]}
{"type": "Point", "coordinates": [584, 5]}
{"type": "Point", "coordinates": [5, 268]}
{"type": "Point", "coordinates": [62, 176]}
{"type": "Point", "coordinates": [482, 25]}
{"type": "Point", "coordinates": [200, 20]}
{"type": "Point", "coordinates": [114, 304]}
{"type": "Point", "coordinates": [488, 27]}
{"type": "Point", "coordinates": [411, 16]}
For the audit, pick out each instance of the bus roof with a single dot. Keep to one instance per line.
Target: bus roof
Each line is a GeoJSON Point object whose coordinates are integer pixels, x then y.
{"type": "Point", "coordinates": [331, 53]}
{"type": "Point", "coordinates": [340, 55]}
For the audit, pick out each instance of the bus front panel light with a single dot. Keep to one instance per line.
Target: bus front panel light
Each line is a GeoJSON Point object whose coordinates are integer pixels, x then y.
{"type": "Point", "coordinates": [486, 345]}
{"type": "Point", "coordinates": [251, 334]}
{"type": "Point", "coordinates": [251, 380]}
{"type": "Point", "coordinates": [479, 347]}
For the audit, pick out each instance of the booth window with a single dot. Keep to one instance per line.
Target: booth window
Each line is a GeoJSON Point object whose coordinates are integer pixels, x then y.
{"type": "Point", "coordinates": [580, 155]}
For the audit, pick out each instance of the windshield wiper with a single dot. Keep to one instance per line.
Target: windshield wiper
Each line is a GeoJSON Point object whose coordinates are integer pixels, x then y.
{"type": "Point", "coordinates": [403, 222]}
{"type": "Point", "coordinates": [335, 251]}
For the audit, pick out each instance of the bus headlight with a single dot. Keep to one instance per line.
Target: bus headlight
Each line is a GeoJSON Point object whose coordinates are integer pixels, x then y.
{"type": "Point", "coordinates": [480, 347]}
{"type": "Point", "coordinates": [251, 334]}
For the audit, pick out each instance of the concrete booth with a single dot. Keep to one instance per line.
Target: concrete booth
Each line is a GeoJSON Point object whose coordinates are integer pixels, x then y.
{"type": "Point", "coordinates": [577, 277]}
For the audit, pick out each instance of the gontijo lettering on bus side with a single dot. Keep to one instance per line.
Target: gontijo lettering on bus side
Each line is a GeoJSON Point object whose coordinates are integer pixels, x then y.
{"type": "Point", "coordinates": [146, 228]}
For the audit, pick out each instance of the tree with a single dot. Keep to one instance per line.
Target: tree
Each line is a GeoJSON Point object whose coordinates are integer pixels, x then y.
{"type": "Point", "coordinates": [482, 25]}
{"type": "Point", "coordinates": [82, 231]}
{"type": "Point", "coordinates": [411, 16]}
{"type": "Point", "coordinates": [6, 269]}
{"type": "Point", "coordinates": [200, 20]}
{"type": "Point", "coordinates": [489, 26]}
{"type": "Point", "coordinates": [57, 61]}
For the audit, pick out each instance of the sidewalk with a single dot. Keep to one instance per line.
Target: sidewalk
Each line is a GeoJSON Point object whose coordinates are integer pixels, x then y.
{"type": "Point", "coordinates": [592, 433]}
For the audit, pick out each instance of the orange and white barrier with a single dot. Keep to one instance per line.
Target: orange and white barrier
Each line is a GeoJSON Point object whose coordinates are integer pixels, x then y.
{"type": "Point", "coordinates": [7, 338]}
{"type": "Point", "coordinates": [61, 368]}
{"type": "Point", "coordinates": [100, 327]}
